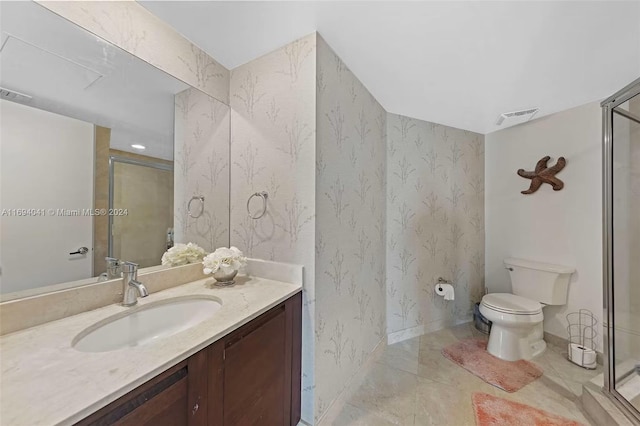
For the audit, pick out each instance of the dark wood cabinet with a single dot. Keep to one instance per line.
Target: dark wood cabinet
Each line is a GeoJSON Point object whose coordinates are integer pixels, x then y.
{"type": "Point", "coordinates": [250, 377]}
{"type": "Point", "coordinates": [164, 400]}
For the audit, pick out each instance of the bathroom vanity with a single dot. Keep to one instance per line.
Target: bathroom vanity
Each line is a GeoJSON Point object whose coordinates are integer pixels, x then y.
{"type": "Point", "coordinates": [124, 101]}
{"type": "Point", "coordinates": [250, 376]}
{"type": "Point", "coordinates": [239, 365]}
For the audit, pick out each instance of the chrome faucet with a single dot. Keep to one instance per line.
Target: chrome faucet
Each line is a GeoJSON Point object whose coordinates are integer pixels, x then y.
{"type": "Point", "coordinates": [113, 270]}
{"type": "Point", "coordinates": [131, 287]}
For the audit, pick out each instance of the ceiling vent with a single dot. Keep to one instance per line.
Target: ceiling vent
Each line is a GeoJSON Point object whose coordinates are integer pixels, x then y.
{"type": "Point", "coordinates": [12, 95]}
{"type": "Point", "coordinates": [517, 117]}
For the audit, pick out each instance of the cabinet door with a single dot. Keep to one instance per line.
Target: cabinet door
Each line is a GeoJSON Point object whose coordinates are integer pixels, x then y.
{"type": "Point", "coordinates": [177, 397]}
{"type": "Point", "coordinates": [255, 371]}
{"type": "Point", "coordinates": [168, 408]}
{"type": "Point", "coordinates": [250, 377]}
{"type": "Point", "coordinates": [159, 402]}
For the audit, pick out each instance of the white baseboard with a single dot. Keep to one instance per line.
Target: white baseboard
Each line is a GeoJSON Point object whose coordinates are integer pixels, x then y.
{"type": "Point", "coordinates": [407, 333]}
{"type": "Point", "coordinates": [410, 333]}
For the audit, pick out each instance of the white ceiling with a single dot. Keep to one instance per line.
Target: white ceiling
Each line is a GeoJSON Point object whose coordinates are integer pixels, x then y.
{"type": "Point", "coordinates": [456, 63]}
{"type": "Point", "coordinates": [69, 71]}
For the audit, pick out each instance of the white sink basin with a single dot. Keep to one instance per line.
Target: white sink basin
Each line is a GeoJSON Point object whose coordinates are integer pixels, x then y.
{"type": "Point", "coordinates": [146, 324]}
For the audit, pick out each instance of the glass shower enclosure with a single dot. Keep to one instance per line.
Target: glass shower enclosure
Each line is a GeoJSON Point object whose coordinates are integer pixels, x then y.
{"type": "Point", "coordinates": [621, 187]}
{"type": "Point", "coordinates": [141, 196]}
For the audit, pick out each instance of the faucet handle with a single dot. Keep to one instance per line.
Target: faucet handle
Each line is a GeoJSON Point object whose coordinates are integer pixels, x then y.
{"type": "Point", "coordinates": [130, 267]}
{"type": "Point", "coordinates": [113, 268]}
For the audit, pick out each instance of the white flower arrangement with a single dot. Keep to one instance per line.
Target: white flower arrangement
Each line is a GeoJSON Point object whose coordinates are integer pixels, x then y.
{"type": "Point", "coordinates": [182, 254]}
{"type": "Point", "coordinates": [225, 259]}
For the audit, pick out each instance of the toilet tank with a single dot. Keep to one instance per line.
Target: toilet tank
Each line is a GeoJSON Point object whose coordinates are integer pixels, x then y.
{"type": "Point", "coordinates": [543, 282]}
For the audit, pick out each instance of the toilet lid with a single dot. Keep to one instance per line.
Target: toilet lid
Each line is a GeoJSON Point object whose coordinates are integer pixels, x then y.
{"type": "Point", "coordinates": [511, 304]}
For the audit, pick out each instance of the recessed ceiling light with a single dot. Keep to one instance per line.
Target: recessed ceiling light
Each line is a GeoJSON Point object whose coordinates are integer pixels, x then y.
{"type": "Point", "coordinates": [138, 146]}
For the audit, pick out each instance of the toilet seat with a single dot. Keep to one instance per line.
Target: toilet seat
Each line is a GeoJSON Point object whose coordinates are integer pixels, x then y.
{"type": "Point", "coordinates": [511, 304]}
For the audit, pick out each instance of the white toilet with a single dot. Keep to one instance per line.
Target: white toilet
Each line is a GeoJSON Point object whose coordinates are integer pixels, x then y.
{"type": "Point", "coordinates": [516, 332]}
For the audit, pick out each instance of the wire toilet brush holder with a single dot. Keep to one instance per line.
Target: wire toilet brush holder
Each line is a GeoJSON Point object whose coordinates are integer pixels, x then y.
{"type": "Point", "coordinates": [582, 333]}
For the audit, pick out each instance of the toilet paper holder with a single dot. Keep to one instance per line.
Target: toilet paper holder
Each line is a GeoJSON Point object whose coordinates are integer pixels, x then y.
{"type": "Point", "coordinates": [442, 281]}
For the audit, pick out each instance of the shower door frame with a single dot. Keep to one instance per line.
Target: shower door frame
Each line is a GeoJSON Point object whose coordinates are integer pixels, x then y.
{"type": "Point", "coordinates": [608, 105]}
{"type": "Point", "coordinates": [127, 160]}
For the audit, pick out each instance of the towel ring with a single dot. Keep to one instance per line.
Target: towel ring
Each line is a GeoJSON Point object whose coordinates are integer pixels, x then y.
{"type": "Point", "coordinates": [194, 198]}
{"type": "Point", "coordinates": [264, 195]}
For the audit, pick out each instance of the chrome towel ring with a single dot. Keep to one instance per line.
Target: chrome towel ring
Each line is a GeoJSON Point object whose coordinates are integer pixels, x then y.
{"type": "Point", "coordinates": [194, 198]}
{"type": "Point", "coordinates": [264, 195]}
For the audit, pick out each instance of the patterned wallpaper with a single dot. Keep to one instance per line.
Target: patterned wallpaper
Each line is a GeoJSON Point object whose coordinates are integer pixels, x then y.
{"type": "Point", "coordinates": [327, 208]}
{"type": "Point", "coordinates": [350, 226]}
{"type": "Point", "coordinates": [435, 224]}
{"type": "Point", "coordinates": [134, 29]}
{"type": "Point", "coordinates": [273, 127]}
{"type": "Point", "coordinates": [201, 167]}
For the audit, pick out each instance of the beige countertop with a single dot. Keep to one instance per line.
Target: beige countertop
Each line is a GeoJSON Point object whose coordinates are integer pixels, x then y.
{"type": "Point", "coordinates": [45, 381]}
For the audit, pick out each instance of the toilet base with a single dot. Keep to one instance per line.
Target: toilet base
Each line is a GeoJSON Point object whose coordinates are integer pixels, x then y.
{"type": "Point", "coordinates": [515, 343]}
{"type": "Point", "coordinates": [537, 348]}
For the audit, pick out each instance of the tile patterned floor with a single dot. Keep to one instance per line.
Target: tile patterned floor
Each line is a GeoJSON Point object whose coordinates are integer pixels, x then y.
{"type": "Point", "coordinates": [413, 384]}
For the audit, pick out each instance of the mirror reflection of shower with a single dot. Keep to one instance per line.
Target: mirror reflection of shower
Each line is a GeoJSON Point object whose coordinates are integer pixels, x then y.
{"type": "Point", "coordinates": [141, 203]}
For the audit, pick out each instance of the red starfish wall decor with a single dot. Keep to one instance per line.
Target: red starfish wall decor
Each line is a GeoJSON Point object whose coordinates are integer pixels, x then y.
{"type": "Point", "coordinates": [544, 174]}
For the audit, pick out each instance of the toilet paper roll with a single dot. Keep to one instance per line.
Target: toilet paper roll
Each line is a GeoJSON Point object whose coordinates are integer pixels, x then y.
{"type": "Point", "coordinates": [584, 357]}
{"type": "Point", "coordinates": [445, 290]}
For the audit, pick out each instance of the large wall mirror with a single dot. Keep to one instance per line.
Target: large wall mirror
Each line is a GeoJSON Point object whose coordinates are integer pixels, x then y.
{"type": "Point", "coordinates": [100, 154]}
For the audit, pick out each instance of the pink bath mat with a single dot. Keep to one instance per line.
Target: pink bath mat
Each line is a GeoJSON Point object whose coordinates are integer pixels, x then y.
{"type": "Point", "coordinates": [472, 355]}
{"type": "Point", "coordinates": [493, 411]}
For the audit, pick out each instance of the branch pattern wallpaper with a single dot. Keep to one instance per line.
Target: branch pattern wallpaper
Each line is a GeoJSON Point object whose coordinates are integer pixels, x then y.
{"type": "Point", "coordinates": [376, 206]}
{"type": "Point", "coordinates": [386, 202]}
{"type": "Point", "coordinates": [350, 220]}
{"type": "Point", "coordinates": [201, 168]}
{"type": "Point", "coordinates": [273, 122]}
{"type": "Point", "coordinates": [435, 224]}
